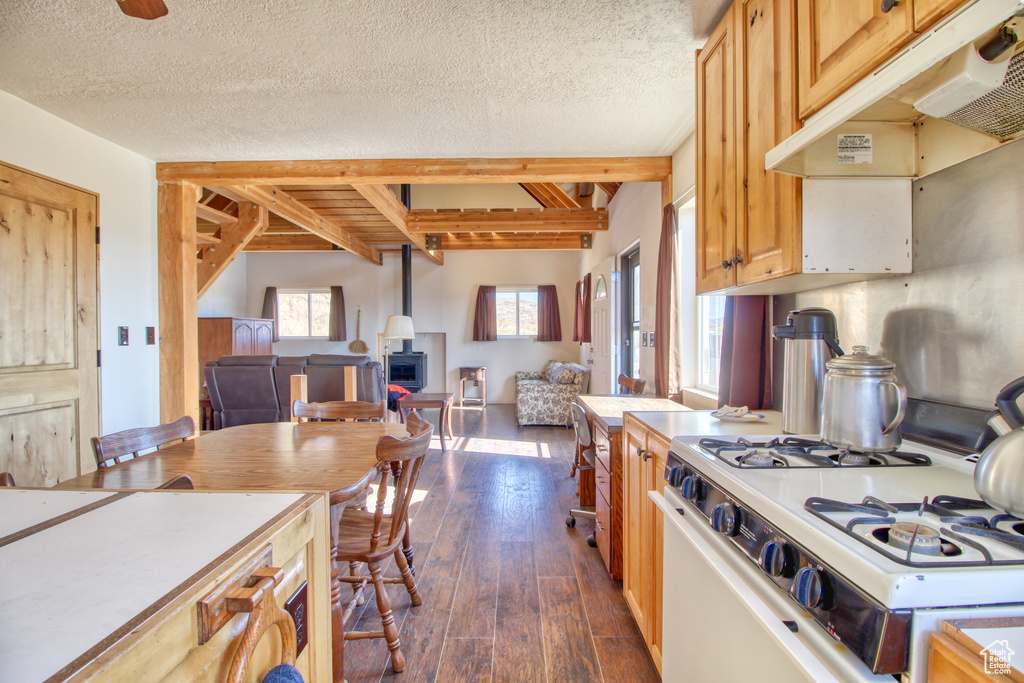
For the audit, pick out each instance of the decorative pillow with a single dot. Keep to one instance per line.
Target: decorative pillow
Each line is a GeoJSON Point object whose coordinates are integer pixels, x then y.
{"type": "Point", "coordinates": [552, 371]}
{"type": "Point", "coordinates": [565, 375]}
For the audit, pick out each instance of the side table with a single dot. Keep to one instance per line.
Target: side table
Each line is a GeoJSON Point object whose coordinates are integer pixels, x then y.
{"type": "Point", "coordinates": [473, 374]}
{"type": "Point", "coordinates": [442, 401]}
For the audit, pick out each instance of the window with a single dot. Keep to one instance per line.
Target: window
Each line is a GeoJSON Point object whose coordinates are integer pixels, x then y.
{"type": "Point", "coordinates": [516, 311]}
{"type": "Point", "coordinates": [709, 341]}
{"type": "Point", "coordinates": [304, 313]}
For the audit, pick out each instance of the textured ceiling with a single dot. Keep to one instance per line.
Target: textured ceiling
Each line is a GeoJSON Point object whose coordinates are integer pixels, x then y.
{"type": "Point", "coordinates": [336, 79]}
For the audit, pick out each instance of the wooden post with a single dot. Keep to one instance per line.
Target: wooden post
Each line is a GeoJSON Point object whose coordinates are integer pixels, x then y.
{"type": "Point", "coordinates": [351, 385]}
{"type": "Point", "coordinates": [299, 391]}
{"type": "Point", "coordinates": [179, 335]}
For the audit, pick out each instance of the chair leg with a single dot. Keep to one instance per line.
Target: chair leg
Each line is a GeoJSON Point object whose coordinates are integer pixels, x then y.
{"type": "Point", "coordinates": [407, 547]}
{"type": "Point", "coordinates": [353, 570]}
{"type": "Point", "coordinates": [408, 578]}
{"type": "Point", "coordinates": [387, 617]}
{"type": "Point", "coordinates": [575, 458]}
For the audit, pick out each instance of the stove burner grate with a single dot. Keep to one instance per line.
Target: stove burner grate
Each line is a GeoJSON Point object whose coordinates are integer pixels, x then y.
{"type": "Point", "coordinates": [816, 453]}
{"type": "Point", "coordinates": [919, 539]}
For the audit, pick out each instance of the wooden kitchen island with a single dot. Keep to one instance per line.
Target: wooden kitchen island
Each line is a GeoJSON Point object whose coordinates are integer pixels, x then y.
{"type": "Point", "coordinates": [605, 415]}
{"type": "Point", "coordinates": [105, 586]}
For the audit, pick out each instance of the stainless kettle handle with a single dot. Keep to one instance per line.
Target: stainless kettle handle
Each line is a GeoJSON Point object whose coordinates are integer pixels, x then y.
{"type": "Point", "coordinates": [901, 410]}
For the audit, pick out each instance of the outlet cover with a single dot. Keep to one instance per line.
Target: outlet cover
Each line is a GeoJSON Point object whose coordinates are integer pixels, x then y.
{"type": "Point", "coordinates": [150, 336]}
{"type": "Point", "coordinates": [296, 606]}
{"type": "Point", "coordinates": [122, 336]}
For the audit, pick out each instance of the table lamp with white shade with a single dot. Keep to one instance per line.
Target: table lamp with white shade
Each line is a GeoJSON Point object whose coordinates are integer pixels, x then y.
{"type": "Point", "coordinates": [396, 327]}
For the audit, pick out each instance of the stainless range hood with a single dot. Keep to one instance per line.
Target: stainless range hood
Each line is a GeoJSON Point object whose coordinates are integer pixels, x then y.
{"type": "Point", "coordinates": [938, 73]}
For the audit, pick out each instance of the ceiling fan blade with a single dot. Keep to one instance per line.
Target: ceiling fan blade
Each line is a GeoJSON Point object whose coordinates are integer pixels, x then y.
{"type": "Point", "coordinates": [143, 9]}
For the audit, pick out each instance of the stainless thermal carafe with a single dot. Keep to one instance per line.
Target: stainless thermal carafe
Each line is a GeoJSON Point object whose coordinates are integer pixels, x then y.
{"type": "Point", "coordinates": [810, 341]}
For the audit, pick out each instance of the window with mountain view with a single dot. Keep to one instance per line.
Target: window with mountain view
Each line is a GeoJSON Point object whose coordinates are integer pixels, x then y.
{"type": "Point", "coordinates": [516, 311]}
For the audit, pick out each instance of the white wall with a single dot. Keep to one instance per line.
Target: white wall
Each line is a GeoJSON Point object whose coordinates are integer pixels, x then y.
{"type": "Point", "coordinates": [634, 216]}
{"type": "Point", "coordinates": [443, 300]}
{"type": "Point", "coordinates": [126, 183]}
{"type": "Point", "coordinates": [226, 297]}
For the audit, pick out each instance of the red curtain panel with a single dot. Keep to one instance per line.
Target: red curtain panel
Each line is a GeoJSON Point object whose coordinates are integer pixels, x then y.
{"type": "Point", "coordinates": [485, 322]}
{"type": "Point", "coordinates": [336, 325]}
{"type": "Point", "coordinates": [664, 293]}
{"type": "Point", "coordinates": [581, 316]}
{"type": "Point", "coordinates": [549, 322]}
{"type": "Point", "coordinates": [744, 377]}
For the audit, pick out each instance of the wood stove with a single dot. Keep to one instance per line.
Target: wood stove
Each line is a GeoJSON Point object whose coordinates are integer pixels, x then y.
{"type": "Point", "coordinates": [408, 370]}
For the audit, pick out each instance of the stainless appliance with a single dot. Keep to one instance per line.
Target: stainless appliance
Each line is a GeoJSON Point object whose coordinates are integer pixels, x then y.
{"type": "Point", "coordinates": [810, 341]}
{"type": "Point", "coordinates": [862, 403]}
{"type": "Point", "coordinates": [784, 562]}
{"type": "Point", "coordinates": [999, 477]}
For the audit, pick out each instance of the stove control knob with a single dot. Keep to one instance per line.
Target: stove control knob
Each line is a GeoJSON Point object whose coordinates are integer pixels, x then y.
{"type": "Point", "coordinates": [776, 558]}
{"type": "Point", "coordinates": [725, 519]}
{"type": "Point", "coordinates": [692, 488]}
{"type": "Point", "coordinates": [676, 476]}
{"type": "Point", "coordinates": [810, 587]}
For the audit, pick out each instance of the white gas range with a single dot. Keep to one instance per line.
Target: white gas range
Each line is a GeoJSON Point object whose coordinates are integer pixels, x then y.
{"type": "Point", "coordinates": [815, 547]}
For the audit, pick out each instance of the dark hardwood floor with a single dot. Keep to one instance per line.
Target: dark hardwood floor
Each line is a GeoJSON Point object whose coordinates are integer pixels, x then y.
{"type": "Point", "coordinates": [510, 594]}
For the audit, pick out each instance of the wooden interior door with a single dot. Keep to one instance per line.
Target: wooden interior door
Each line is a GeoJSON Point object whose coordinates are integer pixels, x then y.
{"type": "Point", "coordinates": [716, 159]}
{"type": "Point", "coordinates": [841, 41]}
{"type": "Point", "coordinates": [601, 333]}
{"type": "Point", "coordinates": [49, 332]}
{"type": "Point", "coordinates": [768, 225]}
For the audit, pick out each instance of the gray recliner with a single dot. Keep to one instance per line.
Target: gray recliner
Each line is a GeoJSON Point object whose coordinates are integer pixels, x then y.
{"type": "Point", "coordinates": [242, 390]}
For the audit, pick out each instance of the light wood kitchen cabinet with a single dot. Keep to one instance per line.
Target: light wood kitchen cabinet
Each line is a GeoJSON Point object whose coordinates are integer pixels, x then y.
{"type": "Point", "coordinates": [928, 12]}
{"type": "Point", "coordinates": [841, 41]}
{"type": "Point", "coordinates": [608, 482]}
{"type": "Point", "coordinates": [748, 219]}
{"type": "Point", "coordinates": [234, 337]}
{"type": "Point", "coordinates": [965, 651]}
{"type": "Point", "coordinates": [645, 453]}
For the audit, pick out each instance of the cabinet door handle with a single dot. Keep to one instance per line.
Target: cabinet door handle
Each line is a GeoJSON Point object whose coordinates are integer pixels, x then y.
{"type": "Point", "coordinates": [736, 260]}
{"type": "Point", "coordinates": [644, 455]}
{"type": "Point", "coordinates": [887, 5]}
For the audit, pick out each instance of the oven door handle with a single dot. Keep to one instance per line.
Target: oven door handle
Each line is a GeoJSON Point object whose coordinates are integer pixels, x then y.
{"type": "Point", "coordinates": [770, 610]}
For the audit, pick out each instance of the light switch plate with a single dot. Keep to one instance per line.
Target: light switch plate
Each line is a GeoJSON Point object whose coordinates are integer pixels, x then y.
{"type": "Point", "coordinates": [122, 336]}
{"type": "Point", "coordinates": [644, 339]}
{"type": "Point", "coordinates": [150, 336]}
{"type": "Point", "coordinates": [652, 339]}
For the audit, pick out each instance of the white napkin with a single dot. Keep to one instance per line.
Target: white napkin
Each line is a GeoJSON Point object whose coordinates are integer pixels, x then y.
{"type": "Point", "coordinates": [730, 411]}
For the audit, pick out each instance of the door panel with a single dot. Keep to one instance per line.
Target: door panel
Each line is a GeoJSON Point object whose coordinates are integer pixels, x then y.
{"type": "Point", "coordinates": [841, 41]}
{"type": "Point", "coordinates": [716, 159]}
{"type": "Point", "coordinates": [636, 550]}
{"type": "Point", "coordinates": [768, 231]}
{"type": "Point", "coordinates": [264, 335]}
{"type": "Point", "coordinates": [243, 336]}
{"type": "Point", "coordinates": [49, 334]}
{"type": "Point", "coordinates": [928, 12]}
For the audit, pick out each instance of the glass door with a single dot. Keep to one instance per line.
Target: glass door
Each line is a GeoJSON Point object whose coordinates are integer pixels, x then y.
{"type": "Point", "coordinates": [629, 343]}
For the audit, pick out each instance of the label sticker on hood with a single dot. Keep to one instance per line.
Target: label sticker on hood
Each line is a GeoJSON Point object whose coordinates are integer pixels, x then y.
{"type": "Point", "coordinates": [854, 149]}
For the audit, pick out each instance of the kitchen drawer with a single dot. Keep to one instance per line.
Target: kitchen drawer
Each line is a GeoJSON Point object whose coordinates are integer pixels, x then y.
{"type": "Point", "coordinates": [603, 447]}
{"type": "Point", "coordinates": [603, 479]}
{"type": "Point", "coordinates": [603, 528]}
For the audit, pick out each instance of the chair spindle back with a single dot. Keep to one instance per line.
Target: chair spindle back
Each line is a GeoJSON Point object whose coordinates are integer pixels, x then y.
{"type": "Point", "coordinates": [129, 442]}
{"type": "Point", "coordinates": [336, 411]}
{"type": "Point", "coordinates": [401, 459]}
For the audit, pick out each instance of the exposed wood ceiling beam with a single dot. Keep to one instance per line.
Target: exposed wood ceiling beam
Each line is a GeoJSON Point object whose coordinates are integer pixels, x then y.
{"type": "Point", "coordinates": [609, 188]}
{"type": "Point", "coordinates": [378, 171]}
{"type": "Point", "coordinates": [519, 241]}
{"type": "Point", "coordinates": [208, 213]}
{"type": "Point", "coordinates": [385, 201]}
{"type": "Point", "coordinates": [303, 242]}
{"type": "Point", "coordinates": [215, 259]}
{"type": "Point", "coordinates": [550, 195]}
{"type": "Point", "coordinates": [281, 203]}
{"type": "Point", "coordinates": [550, 220]}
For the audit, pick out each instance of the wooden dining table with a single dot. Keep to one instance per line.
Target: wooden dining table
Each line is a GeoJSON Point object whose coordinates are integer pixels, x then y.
{"type": "Point", "coordinates": [335, 457]}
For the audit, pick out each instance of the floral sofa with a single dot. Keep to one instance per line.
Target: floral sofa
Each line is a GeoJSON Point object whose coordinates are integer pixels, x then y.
{"type": "Point", "coordinates": [544, 398]}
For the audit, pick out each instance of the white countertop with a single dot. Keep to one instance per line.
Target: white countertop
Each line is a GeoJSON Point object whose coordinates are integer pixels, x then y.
{"type": "Point", "coordinates": [71, 580]}
{"type": "Point", "coordinates": [700, 423]}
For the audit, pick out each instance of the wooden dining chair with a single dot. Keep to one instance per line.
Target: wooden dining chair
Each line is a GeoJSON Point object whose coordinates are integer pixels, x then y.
{"type": "Point", "coordinates": [415, 424]}
{"type": "Point", "coordinates": [632, 385]}
{"type": "Point", "coordinates": [108, 449]}
{"type": "Point", "coordinates": [7, 479]}
{"type": "Point", "coordinates": [338, 411]}
{"type": "Point", "coordinates": [179, 482]}
{"type": "Point", "coordinates": [372, 537]}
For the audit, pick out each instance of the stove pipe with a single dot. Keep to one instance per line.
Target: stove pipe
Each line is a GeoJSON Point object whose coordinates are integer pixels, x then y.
{"type": "Point", "coordinates": [406, 271]}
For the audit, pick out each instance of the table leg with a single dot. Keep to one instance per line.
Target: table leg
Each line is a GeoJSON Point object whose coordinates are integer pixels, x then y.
{"type": "Point", "coordinates": [440, 427]}
{"type": "Point", "coordinates": [337, 607]}
{"type": "Point", "coordinates": [448, 416]}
